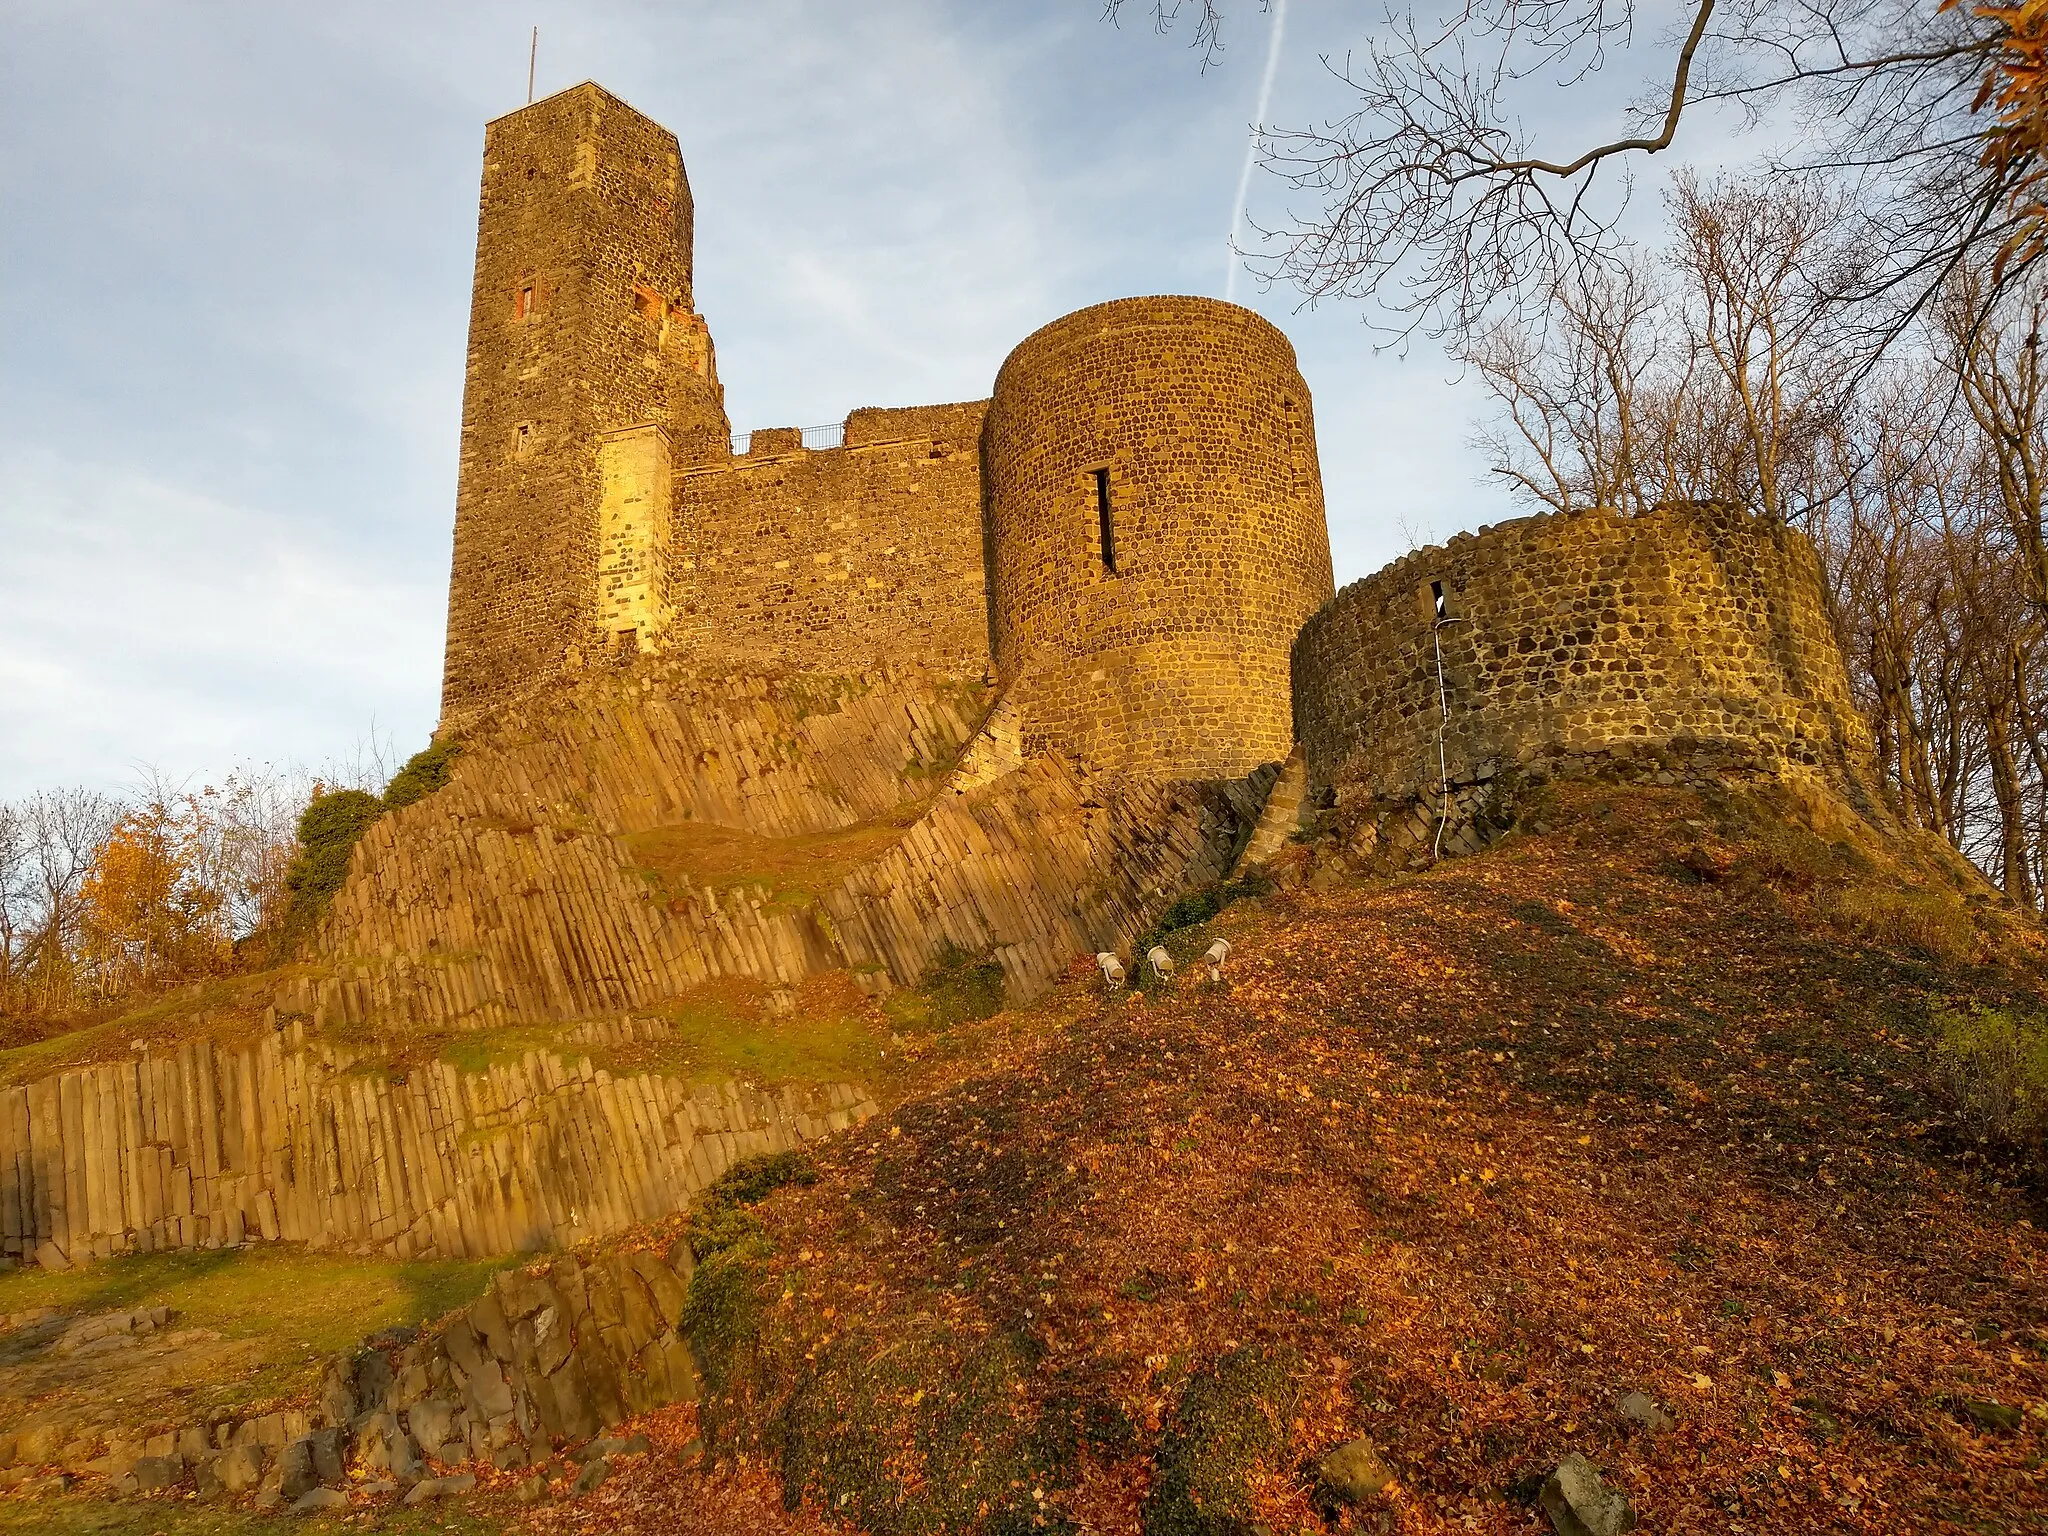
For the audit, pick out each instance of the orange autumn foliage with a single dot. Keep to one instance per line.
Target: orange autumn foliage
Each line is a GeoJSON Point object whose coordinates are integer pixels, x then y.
{"type": "Point", "coordinates": [149, 916]}
{"type": "Point", "coordinates": [2015, 87]}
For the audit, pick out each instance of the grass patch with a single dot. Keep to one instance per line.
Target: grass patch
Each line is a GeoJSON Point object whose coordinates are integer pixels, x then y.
{"type": "Point", "coordinates": [692, 855]}
{"type": "Point", "coordinates": [302, 1305]}
{"type": "Point", "coordinates": [723, 1029]}
{"type": "Point", "coordinates": [726, 1029]}
{"type": "Point", "coordinates": [959, 986]}
{"type": "Point", "coordinates": [1931, 921]}
{"type": "Point", "coordinates": [478, 1051]}
{"type": "Point", "coordinates": [163, 1020]}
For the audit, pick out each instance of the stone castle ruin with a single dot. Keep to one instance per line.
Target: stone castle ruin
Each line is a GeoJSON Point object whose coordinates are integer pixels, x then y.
{"type": "Point", "coordinates": [793, 711]}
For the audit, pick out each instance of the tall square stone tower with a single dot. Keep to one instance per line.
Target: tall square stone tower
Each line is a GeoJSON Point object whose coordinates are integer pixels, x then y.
{"type": "Point", "coordinates": [590, 376]}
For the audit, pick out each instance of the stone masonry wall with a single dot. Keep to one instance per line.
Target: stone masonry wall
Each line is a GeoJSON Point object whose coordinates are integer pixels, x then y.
{"type": "Point", "coordinates": [283, 1139]}
{"type": "Point", "coordinates": [1166, 653]}
{"type": "Point", "coordinates": [582, 322]}
{"type": "Point", "coordinates": [1695, 637]}
{"type": "Point", "coordinates": [840, 559]}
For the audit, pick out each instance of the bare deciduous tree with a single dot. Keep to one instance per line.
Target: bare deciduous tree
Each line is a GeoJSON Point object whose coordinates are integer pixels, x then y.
{"type": "Point", "coordinates": [1431, 196]}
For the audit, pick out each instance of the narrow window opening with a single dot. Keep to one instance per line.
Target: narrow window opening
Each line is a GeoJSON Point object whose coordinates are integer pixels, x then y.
{"type": "Point", "coordinates": [1105, 521]}
{"type": "Point", "coordinates": [522, 303]}
{"type": "Point", "coordinates": [1436, 597]}
{"type": "Point", "coordinates": [522, 440]}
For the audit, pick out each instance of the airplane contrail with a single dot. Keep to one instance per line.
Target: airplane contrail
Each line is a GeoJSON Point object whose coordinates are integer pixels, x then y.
{"type": "Point", "coordinates": [1251, 148]}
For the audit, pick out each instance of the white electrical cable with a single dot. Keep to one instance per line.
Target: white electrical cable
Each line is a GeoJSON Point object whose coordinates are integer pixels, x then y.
{"type": "Point", "coordinates": [1443, 767]}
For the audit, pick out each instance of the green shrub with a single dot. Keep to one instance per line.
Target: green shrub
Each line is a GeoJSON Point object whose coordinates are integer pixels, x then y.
{"type": "Point", "coordinates": [1231, 1419]}
{"type": "Point", "coordinates": [1191, 910]}
{"type": "Point", "coordinates": [720, 1218]}
{"type": "Point", "coordinates": [1204, 902]}
{"type": "Point", "coordinates": [722, 1314]}
{"type": "Point", "coordinates": [424, 772]}
{"type": "Point", "coordinates": [723, 1310]}
{"type": "Point", "coordinates": [1994, 1064]}
{"type": "Point", "coordinates": [329, 829]}
{"type": "Point", "coordinates": [959, 986]}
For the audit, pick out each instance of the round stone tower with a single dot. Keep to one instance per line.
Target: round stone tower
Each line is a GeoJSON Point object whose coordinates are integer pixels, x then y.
{"type": "Point", "coordinates": [1155, 535]}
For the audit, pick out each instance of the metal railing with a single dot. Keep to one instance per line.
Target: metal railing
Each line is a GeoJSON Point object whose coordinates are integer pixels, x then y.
{"type": "Point", "coordinates": [831, 435]}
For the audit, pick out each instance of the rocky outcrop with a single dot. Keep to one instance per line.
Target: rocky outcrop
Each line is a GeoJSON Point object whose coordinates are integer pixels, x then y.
{"type": "Point", "coordinates": [550, 1356]}
{"type": "Point", "coordinates": [858, 824]}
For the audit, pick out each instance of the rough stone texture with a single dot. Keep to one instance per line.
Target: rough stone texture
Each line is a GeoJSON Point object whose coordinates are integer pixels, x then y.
{"type": "Point", "coordinates": [204, 1145]}
{"type": "Point", "coordinates": [239, 1468]}
{"type": "Point", "coordinates": [296, 1472]}
{"type": "Point", "coordinates": [1692, 641]}
{"type": "Point", "coordinates": [603, 1373]}
{"type": "Point", "coordinates": [1580, 1504]}
{"type": "Point", "coordinates": [582, 322]}
{"type": "Point", "coordinates": [1171, 660]}
{"type": "Point", "coordinates": [837, 560]}
{"type": "Point", "coordinates": [152, 1472]}
{"type": "Point", "coordinates": [1352, 1474]}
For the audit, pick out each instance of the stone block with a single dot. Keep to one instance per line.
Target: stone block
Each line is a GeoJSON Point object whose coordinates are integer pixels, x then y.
{"type": "Point", "coordinates": [489, 1391]}
{"type": "Point", "coordinates": [521, 1294]}
{"type": "Point", "coordinates": [552, 1340]}
{"type": "Point", "coordinates": [373, 1382]}
{"type": "Point", "coordinates": [295, 1473]}
{"type": "Point", "coordinates": [329, 1448]}
{"type": "Point", "coordinates": [153, 1472]}
{"type": "Point", "coordinates": [460, 1341]}
{"type": "Point", "coordinates": [488, 1319]}
{"type": "Point", "coordinates": [240, 1467]}
{"type": "Point", "coordinates": [430, 1421]}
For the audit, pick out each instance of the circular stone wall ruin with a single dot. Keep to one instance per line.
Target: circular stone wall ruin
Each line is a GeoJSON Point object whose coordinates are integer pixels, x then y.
{"type": "Point", "coordinates": [1690, 642]}
{"type": "Point", "coordinates": [1154, 534]}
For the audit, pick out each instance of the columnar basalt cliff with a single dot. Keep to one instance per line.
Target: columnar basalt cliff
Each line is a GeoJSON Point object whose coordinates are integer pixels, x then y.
{"type": "Point", "coordinates": [1690, 642]}
{"type": "Point", "coordinates": [619, 845]}
{"type": "Point", "coordinates": [1155, 535]}
{"type": "Point", "coordinates": [288, 1138]}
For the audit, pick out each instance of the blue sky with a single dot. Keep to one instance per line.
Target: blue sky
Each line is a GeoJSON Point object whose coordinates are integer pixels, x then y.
{"type": "Point", "coordinates": [235, 244]}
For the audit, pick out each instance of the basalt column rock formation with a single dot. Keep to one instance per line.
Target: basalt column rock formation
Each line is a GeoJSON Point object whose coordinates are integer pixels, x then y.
{"type": "Point", "coordinates": [291, 1138]}
{"type": "Point", "coordinates": [616, 845]}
